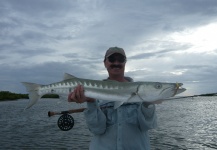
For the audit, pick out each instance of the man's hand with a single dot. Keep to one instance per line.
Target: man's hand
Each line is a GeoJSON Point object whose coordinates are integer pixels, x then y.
{"type": "Point", "coordinates": [78, 96]}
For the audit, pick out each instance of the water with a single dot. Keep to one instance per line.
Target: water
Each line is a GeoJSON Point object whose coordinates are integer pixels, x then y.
{"type": "Point", "coordinates": [182, 124]}
{"type": "Point", "coordinates": [186, 124]}
{"type": "Point", "coordinates": [33, 129]}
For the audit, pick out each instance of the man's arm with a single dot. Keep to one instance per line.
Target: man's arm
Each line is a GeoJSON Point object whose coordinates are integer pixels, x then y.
{"type": "Point", "coordinates": [147, 116]}
{"type": "Point", "coordinates": [95, 118]}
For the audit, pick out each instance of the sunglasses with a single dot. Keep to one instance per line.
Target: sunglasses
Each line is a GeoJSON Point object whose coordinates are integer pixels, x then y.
{"type": "Point", "coordinates": [120, 59]}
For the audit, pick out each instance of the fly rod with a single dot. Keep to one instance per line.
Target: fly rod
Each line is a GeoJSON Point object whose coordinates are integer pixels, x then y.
{"type": "Point", "coordinates": [52, 113]}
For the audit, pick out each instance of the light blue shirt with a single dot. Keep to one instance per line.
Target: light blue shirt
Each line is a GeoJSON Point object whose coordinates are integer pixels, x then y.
{"type": "Point", "coordinates": [124, 128]}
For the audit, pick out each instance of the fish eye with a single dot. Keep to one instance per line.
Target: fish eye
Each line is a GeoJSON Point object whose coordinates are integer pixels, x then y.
{"type": "Point", "coordinates": [158, 86]}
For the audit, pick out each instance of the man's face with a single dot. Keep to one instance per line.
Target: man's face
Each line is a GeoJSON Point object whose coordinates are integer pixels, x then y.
{"type": "Point", "coordinates": [115, 64]}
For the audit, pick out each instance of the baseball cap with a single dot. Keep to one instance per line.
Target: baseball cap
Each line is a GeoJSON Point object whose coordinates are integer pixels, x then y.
{"type": "Point", "coordinates": [113, 50]}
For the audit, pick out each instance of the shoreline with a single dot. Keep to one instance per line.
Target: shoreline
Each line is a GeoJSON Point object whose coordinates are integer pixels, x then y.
{"type": "Point", "coordinates": [9, 96]}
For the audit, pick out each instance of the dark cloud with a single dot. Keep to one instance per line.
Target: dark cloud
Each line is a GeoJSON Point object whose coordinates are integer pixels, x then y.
{"type": "Point", "coordinates": [191, 66]}
{"type": "Point", "coordinates": [43, 74]}
{"type": "Point", "coordinates": [40, 40]}
{"type": "Point", "coordinates": [200, 73]}
{"type": "Point", "coordinates": [170, 48]}
{"type": "Point", "coordinates": [39, 7]}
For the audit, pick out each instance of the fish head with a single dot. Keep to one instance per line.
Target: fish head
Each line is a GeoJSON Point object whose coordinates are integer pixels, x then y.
{"type": "Point", "coordinates": [152, 91]}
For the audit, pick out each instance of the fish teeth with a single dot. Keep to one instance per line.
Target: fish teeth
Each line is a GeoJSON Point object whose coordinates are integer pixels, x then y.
{"type": "Point", "coordinates": [85, 84]}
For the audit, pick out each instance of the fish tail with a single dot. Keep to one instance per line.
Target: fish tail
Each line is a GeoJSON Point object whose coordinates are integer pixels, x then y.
{"type": "Point", "coordinates": [32, 89]}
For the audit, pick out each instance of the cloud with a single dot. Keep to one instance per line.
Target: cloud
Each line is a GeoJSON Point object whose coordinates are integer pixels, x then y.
{"type": "Point", "coordinates": [164, 40]}
{"type": "Point", "coordinates": [172, 47]}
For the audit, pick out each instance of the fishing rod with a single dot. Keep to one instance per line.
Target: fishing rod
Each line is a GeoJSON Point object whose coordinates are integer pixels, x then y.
{"type": "Point", "coordinates": [53, 113]}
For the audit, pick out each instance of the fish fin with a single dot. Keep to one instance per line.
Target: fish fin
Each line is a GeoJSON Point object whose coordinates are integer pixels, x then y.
{"type": "Point", "coordinates": [117, 104]}
{"type": "Point", "coordinates": [134, 98]}
{"type": "Point", "coordinates": [68, 76]}
{"type": "Point", "coordinates": [32, 89]}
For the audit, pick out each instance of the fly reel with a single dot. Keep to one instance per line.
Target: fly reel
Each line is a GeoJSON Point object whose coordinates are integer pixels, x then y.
{"type": "Point", "coordinates": [65, 122]}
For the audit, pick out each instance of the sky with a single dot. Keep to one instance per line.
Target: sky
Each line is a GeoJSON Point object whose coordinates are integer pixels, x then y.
{"type": "Point", "coordinates": [164, 40]}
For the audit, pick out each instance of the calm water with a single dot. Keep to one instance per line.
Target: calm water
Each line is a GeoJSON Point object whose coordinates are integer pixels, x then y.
{"type": "Point", "coordinates": [182, 124]}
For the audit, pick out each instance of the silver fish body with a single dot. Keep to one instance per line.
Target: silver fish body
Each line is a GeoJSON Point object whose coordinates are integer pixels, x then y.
{"type": "Point", "coordinates": [120, 92]}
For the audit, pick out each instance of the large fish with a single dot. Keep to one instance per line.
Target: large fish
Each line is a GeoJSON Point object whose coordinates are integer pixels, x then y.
{"type": "Point", "coordinates": [120, 92]}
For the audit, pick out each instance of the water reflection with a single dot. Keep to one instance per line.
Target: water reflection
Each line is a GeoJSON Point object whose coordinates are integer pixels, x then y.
{"type": "Point", "coordinates": [186, 124]}
{"type": "Point", "coordinates": [182, 124]}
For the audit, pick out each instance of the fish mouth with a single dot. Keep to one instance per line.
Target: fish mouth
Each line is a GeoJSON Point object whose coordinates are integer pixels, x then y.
{"type": "Point", "coordinates": [178, 89]}
{"type": "Point", "coordinates": [174, 91]}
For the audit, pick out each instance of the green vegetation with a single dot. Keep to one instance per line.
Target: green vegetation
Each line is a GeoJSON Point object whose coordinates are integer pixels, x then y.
{"type": "Point", "coordinates": [209, 94]}
{"type": "Point", "coordinates": [6, 95]}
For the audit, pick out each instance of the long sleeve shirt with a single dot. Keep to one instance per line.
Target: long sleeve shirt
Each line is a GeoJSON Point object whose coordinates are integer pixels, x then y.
{"type": "Point", "coordinates": [124, 128]}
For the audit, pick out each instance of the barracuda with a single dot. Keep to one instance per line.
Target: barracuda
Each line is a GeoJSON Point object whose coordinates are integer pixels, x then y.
{"type": "Point", "coordinates": [120, 92]}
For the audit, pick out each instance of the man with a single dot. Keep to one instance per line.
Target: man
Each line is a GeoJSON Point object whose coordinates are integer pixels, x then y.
{"type": "Point", "coordinates": [124, 128]}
